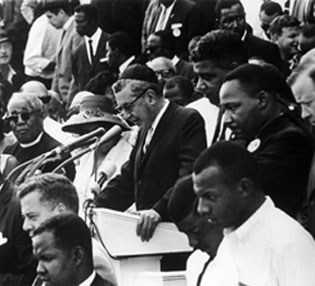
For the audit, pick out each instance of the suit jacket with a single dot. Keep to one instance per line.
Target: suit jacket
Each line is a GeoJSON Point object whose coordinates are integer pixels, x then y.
{"type": "Point", "coordinates": [284, 156]}
{"type": "Point", "coordinates": [17, 264]}
{"type": "Point", "coordinates": [145, 179]}
{"type": "Point", "coordinates": [82, 69]}
{"type": "Point", "coordinates": [99, 281]}
{"type": "Point", "coordinates": [185, 22]}
{"type": "Point", "coordinates": [46, 144]}
{"type": "Point", "coordinates": [63, 72]}
{"type": "Point", "coordinates": [269, 52]}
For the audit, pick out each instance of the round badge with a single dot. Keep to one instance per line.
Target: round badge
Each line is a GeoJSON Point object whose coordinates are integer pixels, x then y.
{"type": "Point", "coordinates": [254, 145]}
{"type": "Point", "coordinates": [176, 33]}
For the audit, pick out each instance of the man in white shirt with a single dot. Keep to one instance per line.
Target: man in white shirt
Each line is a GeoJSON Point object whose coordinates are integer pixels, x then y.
{"type": "Point", "coordinates": [63, 248]}
{"type": "Point", "coordinates": [263, 244]}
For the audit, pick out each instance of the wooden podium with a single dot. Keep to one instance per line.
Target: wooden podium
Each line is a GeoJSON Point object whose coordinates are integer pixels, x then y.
{"type": "Point", "coordinates": [134, 261]}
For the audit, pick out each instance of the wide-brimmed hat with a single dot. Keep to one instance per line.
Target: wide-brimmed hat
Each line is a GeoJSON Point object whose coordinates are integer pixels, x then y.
{"type": "Point", "coordinates": [4, 36]}
{"type": "Point", "coordinates": [95, 111]}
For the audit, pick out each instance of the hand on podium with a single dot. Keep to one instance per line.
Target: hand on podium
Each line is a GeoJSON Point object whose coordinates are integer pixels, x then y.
{"type": "Point", "coordinates": [149, 219]}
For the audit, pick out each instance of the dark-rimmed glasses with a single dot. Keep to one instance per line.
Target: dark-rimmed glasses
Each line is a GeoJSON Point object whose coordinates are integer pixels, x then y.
{"type": "Point", "coordinates": [25, 116]}
{"type": "Point", "coordinates": [127, 106]}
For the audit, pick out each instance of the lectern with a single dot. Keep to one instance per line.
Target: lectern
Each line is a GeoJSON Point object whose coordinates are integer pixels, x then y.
{"type": "Point", "coordinates": [130, 256]}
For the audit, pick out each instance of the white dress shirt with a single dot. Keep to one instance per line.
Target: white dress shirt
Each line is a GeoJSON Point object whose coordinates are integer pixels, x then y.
{"type": "Point", "coordinates": [270, 248]}
{"type": "Point", "coordinates": [89, 280]}
{"type": "Point", "coordinates": [164, 16]}
{"type": "Point", "coordinates": [95, 40]}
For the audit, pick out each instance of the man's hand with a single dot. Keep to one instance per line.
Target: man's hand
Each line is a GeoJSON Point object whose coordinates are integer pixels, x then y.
{"type": "Point", "coordinates": [149, 219]}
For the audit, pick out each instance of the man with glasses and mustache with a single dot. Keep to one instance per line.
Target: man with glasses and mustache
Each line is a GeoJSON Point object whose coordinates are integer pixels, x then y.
{"type": "Point", "coordinates": [170, 139]}
{"type": "Point", "coordinates": [26, 116]}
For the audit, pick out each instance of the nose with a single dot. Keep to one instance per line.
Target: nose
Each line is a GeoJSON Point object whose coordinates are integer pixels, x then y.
{"type": "Point", "coordinates": [203, 208]}
{"type": "Point", "coordinates": [227, 118]}
{"type": "Point", "coordinates": [201, 85]}
{"type": "Point", "coordinates": [40, 268]}
{"type": "Point", "coordinates": [305, 112]}
{"type": "Point", "coordinates": [26, 225]}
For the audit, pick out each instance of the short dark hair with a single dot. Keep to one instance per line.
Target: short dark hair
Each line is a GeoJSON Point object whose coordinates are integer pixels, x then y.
{"type": "Point", "coordinates": [69, 231]}
{"type": "Point", "coordinates": [54, 189]}
{"type": "Point", "coordinates": [185, 85]}
{"type": "Point", "coordinates": [283, 21]}
{"type": "Point", "coordinates": [102, 81]}
{"type": "Point", "coordinates": [271, 8]}
{"type": "Point", "coordinates": [123, 42]}
{"type": "Point", "coordinates": [225, 4]}
{"type": "Point", "coordinates": [253, 78]}
{"type": "Point", "coordinates": [54, 6]}
{"type": "Point", "coordinates": [89, 10]}
{"type": "Point", "coordinates": [234, 161]}
{"type": "Point", "coordinates": [182, 199]}
{"type": "Point", "coordinates": [308, 30]}
{"type": "Point", "coordinates": [167, 40]}
{"type": "Point", "coordinates": [221, 46]}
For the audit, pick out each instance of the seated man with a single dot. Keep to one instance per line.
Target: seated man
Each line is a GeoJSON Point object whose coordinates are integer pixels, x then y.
{"type": "Point", "coordinates": [47, 195]}
{"type": "Point", "coordinates": [169, 140]}
{"type": "Point", "coordinates": [17, 265]}
{"type": "Point", "coordinates": [65, 242]}
{"type": "Point", "coordinates": [203, 237]}
{"type": "Point", "coordinates": [26, 116]}
{"type": "Point", "coordinates": [263, 245]}
{"type": "Point", "coordinates": [281, 145]}
{"type": "Point", "coordinates": [163, 68]}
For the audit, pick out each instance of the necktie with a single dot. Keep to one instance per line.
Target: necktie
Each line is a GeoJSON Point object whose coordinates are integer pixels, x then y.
{"type": "Point", "coordinates": [91, 51]}
{"type": "Point", "coordinates": [147, 140]}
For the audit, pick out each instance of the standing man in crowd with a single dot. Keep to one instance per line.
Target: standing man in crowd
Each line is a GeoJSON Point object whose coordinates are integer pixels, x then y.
{"type": "Point", "coordinates": [86, 56]}
{"type": "Point", "coordinates": [63, 248]}
{"type": "Point", "coordinates": [59, 14]}
{"type": "Point", "coordinates": [170, 139]}
{"type": "Point", "coordinates": [251, 101]}
{"type": "Point", "coordinates": [48, 195]}
{"type": "Point", "coordinates": [263, 245]}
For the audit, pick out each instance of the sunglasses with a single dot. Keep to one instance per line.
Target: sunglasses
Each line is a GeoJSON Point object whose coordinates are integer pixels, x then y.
{"type": "Point", "coordinates": [45, 99]}
{"type": "Point", "coordinates": [25, 116]}
{"type": "Point", "coordinates": [127, 106]}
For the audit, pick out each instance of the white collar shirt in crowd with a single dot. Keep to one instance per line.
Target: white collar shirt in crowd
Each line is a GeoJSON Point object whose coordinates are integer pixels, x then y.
{"type": "Point", "coordinates": [270, 248]}
{"type": "Point", "coordinates": [125, 64]}
{"type": "Point", "coordinates": [89, 280]}
{"type": "Point", "coordinates": [154, 125]}
{"type": "Point", "coordinates": [95, 40]}
{"type": "Point", "coordinates": [164, 16]}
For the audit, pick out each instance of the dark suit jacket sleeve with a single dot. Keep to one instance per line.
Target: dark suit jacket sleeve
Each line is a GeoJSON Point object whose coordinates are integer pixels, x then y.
{"type": "Point", "coordinates": [191, 142]}
{"type": "Point", "coordinates": [119, 192]}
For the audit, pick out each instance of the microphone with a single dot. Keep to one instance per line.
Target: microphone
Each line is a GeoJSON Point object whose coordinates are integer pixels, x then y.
{"type": "Point", "coordinates": [110, 134]}
{"type": "Point", "coordinates": [81, 141]}
{"type": "Point", "coordinates": [108, 170]}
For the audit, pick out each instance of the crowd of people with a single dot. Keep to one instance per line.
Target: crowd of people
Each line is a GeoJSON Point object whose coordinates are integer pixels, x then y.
{"type": "Point", "coordinates": [183, 111]}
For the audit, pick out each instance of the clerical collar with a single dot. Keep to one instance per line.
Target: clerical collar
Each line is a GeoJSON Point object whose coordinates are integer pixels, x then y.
{"type": "Point", "coordinates": [27, 145]}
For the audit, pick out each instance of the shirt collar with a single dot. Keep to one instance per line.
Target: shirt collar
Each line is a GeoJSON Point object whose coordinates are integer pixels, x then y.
{"type": "Point", "coordinates": [253, 221]}
{"type": "Point", "coordinates": [125, 64]}
{"type": "Point", "coordinates": [244, 35]}
{"type": "Point", "coordinates": [160, 114]}
{"type": "Point", "coordinates": [89, 280]}
{"type": "Point", "coordinates": [95, 37]}
{"type": "Point", "coordinates": [169, 8]}
{"type": "Point", "coordinates": [175, 60]}
{"type": "Point", "coordinates": [11, 73]}
{"type": "Point", "coordinates": [66, 25]}
{"type": "Point", "coordinates": [27, 145]}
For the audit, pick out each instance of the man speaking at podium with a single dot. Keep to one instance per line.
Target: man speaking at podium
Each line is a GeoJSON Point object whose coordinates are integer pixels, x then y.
{"type": "Point", "coordinates": [170, 139]}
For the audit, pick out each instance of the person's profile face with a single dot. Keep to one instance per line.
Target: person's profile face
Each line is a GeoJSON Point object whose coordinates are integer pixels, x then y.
{"type": "Point", "coordinates": [5, 53]}
{"type": "Point", "coordinates": [56, 266]}
{"type": "Point", "coordinates": [210, 78]}
{"type": "Point", "coordinates": [233, 19]}
{"type": "Point", "coordinates": [25, 121]}
{"type": "Point", "coordinates": [304, 93]}
{"type": "Point", "coordinates": [154, 47]}
{"type": "Point", "coordinates": [35, 211]}
{"type": "Point", "coordinates": [241, 111]}
{"type": "Point", "coordinates": [201, 234]}
{"type": "Point", "coordinates": [288, 41]}
{"type": "Point", "coordinates": [83, 26]}
{"type": "Point", "coordinates": [56, 20]}
{"type": "Point", "coordinates": [218, 202]}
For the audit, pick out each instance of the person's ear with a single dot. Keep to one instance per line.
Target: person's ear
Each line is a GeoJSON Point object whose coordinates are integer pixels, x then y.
{"type": "Point", "coordinates": [150, 96]}
{"type": "Point", "coordinates": [263, 99]}
{"type": "Point", "coordinates": [61, 209]}
{"type": "Point", "coordinates": [245, 187]}
{"type": "Point", "coordinates": [78, 255]}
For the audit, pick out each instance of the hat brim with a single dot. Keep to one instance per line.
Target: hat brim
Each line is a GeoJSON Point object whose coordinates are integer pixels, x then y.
{"type": "Point", "coordinates": [80, 124]}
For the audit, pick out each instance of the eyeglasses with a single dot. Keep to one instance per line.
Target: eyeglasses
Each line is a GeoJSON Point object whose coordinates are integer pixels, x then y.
{"type": "Point", "coordinates": [45, 99]}
{"type": "Point", "coordinates": [230, 20]}
{"type": "Point", "coordinates": [127, 106]}
{"type": "Point", "coordinates": [25, 116]}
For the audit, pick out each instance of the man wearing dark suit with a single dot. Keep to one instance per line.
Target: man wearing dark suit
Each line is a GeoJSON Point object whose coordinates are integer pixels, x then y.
{"type": "Point", "coordinates": [170, 139]}
{"type": "Point", "coordinates": [66, 240]}
{"type": "Point", "coordinates": [231, 16]}
{"type": "Point", "coordinates": [86, 57]}
{"type": "Point", "coordinates": [60, 16]}
{"type": "Point", "coordinates": [182, 18]}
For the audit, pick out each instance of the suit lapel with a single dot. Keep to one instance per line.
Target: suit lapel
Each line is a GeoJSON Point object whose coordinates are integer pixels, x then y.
{"type": "Point", "coordinates": [64, 36]}
{"type": "Point", "coordinates": [155, 16]}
